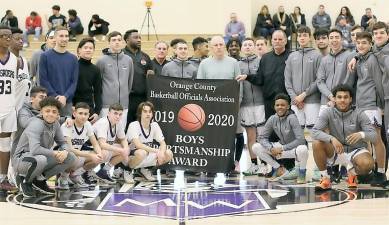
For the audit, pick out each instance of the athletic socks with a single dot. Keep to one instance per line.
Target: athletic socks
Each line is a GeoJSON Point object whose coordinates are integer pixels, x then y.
{"type": "Point", "coordinates": [381, 170]}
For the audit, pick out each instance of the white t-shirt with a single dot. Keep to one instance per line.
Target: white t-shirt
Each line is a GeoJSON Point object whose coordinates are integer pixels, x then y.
{"type": "Point", "coordinates": [79, 135]}
{"type": "Point", "coordinates": [145, 135]}
{"type": "Point", "coordinates": [103, 129]}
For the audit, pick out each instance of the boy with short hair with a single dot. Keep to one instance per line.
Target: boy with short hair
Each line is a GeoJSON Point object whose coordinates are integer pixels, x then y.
{"type": "Point", "coordinates": [34, 155]}
{"type": "Point", "coordinates": [370, 96]}
{"type": "Point", "coordinates": [111, 137]}
{"type": "Point", "coordinates": [291, 144]}
{"type": "Point", "coordinates": [87, 158]}
{"type": "Point", "coordinates": [300, 79]}
{"type": "Point", "coordinates": [340, 134]}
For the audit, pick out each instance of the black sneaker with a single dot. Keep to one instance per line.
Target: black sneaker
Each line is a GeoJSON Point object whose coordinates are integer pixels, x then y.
{"type": "Point", "coordinates": [19, 180]}
{"type": "Point", "coordinates": [385, 185]}
{"type": "Point", "coordinates": [89, 179]}
{"type": "Point", "coordinates": [378, 179]}
{"type": "Point", "coordinates": [41, 186]}
{"type": "Point", "coordinates": [104, 176]}
{"type": "Point", "coordinates": [27, 190]}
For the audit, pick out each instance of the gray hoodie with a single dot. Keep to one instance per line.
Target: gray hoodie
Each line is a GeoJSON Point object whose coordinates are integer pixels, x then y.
{"type": "Point", "coordinates": [34, 63]}
{"type": "Point", "coordinates": [300, 74]}
{"type": "Point", "coordinates": [370, 93]}
{"type": "Point", "coordinates": [25, 114]}
{"type": "Point", "coordinates": [287, 129]}
{"type": "Point", "coordinates": [332, 72]}
{"type": "Point", "coordinates": [321, 21]}
{"type": "Point", "coordinates": [117, 73]}
{"type": "Point", "coordinates": [252, 94]}
{"type": "Point", "coordinates": [179, 68]}
{"type": "Point", "coordinates": [39, 137]}
{"type": "Point", "coordinates": [382, 54]}
{"type": "Point", "coordinates": [341, 125]}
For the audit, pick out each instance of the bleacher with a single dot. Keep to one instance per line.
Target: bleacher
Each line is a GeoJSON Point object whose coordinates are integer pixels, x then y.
{"type": "Point", "coordinates": [147, 45]}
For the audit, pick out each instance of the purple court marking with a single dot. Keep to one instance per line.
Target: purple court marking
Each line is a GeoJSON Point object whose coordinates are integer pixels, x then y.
{"type": "Point", "coordinates": [183, 205]}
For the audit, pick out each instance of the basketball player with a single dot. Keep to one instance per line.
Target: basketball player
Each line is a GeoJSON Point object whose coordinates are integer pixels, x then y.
{"type": "Point", "coordinates": [111, 137]}
{"type": "Point", "coordinates": [22, 88]}
{"type": "Point", "coordinates": [252, 108]}
{"type": "Point", "coordinates": [291, 144]}
{"type": "Point", "coordinates": [34, 155]}
{"type": "Point", "coordinates": [300, 79]}
{"type": "Point", "coordinates": [8, 79]}
{"type": "Point", "coordinates": [345, 143]}
{"type": "Point", "coordinates": [142, 134]}
{"type": "Point", "coordinates": [87, 158]}
{"type": "Point", "coordinates": [370, 97]}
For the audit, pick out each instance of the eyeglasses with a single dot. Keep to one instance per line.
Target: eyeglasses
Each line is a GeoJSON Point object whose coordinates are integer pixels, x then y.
{"type": "Point", "coordinates": [6, 36]}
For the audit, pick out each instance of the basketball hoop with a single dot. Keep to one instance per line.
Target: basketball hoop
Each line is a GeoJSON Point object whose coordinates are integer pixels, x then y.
{"type": "Point", "coordinates": [149, 4]}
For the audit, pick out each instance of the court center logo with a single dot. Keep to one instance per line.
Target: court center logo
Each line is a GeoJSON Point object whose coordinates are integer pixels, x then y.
{"type": "Point", "coordinates": [191, 117]}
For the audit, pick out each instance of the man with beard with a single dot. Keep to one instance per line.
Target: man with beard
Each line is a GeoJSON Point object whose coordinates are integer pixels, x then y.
{"type": "Point", "coordinates": [142, 68]}
{"type": "Point", "coordinates": [58, 71]}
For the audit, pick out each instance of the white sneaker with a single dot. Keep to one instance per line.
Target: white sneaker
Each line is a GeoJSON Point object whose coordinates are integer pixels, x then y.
{"type": "Point", "coordinates": [117, 174]}
{"type": "Point", "coordinates": [263, 170]}
{"type": "Point", "coordinates": [147, 174]}
{"type": "Point", "coordinates": [78, 182]}
{"type": "Point", "coordinates": [253, 170]}
{"type": "Point", "coordinates": [128, 177]}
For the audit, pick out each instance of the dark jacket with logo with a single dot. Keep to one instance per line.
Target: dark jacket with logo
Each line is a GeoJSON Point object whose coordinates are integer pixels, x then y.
{"type": "Point", "coordinates": [142, 63]}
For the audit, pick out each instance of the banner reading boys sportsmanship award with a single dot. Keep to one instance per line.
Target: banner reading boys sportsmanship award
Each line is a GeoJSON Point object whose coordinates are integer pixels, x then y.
{"type": "Point", "coordinates": [198, 119]}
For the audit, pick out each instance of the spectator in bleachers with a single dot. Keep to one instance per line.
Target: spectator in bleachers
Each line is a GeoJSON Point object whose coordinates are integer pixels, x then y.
{"type": "Point", "coordinates": [34, 62]}
{"type": "Point", "coordinates": [298, 19]}
{"type": "Point", "coordinates": [56, 19]}
{"type": "Point", "coordinates": [180, 66]}
{"type": "Point", "coordinates": [234, 29]}
{"type": "Point", "coordinates": [97, 26]}
{"type": "Point", "coordinates": [201, 50]}
{"type": "Point", "coordinates": [321, 19]}
{"type": "Point", "coordinates": [58, 71]}
{"type": "Point", "coordinates": [33, 26]}
{"type": "Point", "coordinates": [345, 12]}
{"type": "Point", "coordinates": [368, 20]}
{"type": "Point", "coordinates": [89, 79]}
{"type": "Point", "coordinates": [9, 20]}
{"type": "Point", "coordinates": [161, 49]}
{"type": "Point", "coordinates": [321, 41]}
{"type": "Point", "coordinates": [142, 68]}
{"type": "Point", "coordinates": [74, 25]}
{"type": "Point", "coordinates": [282, 21]}
{"type": "Point", "coordinates": [261, 46]}
{"type": "Point", "coordinates": [264, 26]}
{"type": "Point", "coordinates": [345, 28]}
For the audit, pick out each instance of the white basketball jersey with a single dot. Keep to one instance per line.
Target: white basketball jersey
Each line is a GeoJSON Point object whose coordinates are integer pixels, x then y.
{"type": "Point", "coordinates": [23, 86]}
{"type": "Point", "coordinates": [145, 135]}
{"type": "Point", "coordinates": [104, 129]}
{"type": "Point", "coordinates": [7, 84]}
{"type": "Point", "coordinates": [78, 135]}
